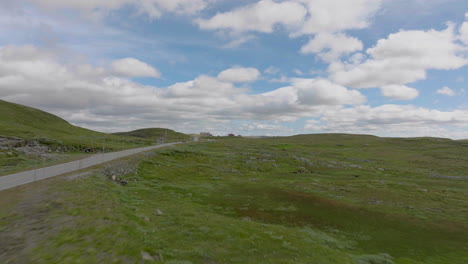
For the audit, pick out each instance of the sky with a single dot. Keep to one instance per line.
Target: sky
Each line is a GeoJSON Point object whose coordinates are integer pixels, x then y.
{"type": "Point", "coordinates": [395, 68]}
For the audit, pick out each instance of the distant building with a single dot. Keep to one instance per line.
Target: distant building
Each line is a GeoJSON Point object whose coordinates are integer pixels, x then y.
{"type": "Point", "coordinates": [231, 135]}
{"type": "Point", "coordinates": [205, 134]}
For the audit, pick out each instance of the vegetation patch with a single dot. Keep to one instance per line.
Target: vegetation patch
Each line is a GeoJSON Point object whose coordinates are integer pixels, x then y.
{"type": "Point", "coordinates": [239, 201]}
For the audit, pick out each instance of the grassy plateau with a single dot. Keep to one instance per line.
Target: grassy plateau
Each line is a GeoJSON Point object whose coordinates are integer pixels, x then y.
{"type": "Point", "coordinates": [304, 199]}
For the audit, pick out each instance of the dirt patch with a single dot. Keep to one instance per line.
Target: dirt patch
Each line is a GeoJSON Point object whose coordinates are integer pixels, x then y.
{"type": "Point", "coordinates": [25, 221]}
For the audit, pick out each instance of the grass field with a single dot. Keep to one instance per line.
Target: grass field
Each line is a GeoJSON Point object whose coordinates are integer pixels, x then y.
{"type": "Point", "coordinates": [304, 199]}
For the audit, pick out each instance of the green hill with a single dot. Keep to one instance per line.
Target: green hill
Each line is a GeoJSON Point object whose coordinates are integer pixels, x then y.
{"type": "Point", "coordinates": [28, 123]}
{"type": "Point", "coordinates": [155, 133]}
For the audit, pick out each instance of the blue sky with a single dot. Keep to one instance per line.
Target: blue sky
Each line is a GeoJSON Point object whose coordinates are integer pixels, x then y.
{"type": "Point", "coordinates": [250, 67]}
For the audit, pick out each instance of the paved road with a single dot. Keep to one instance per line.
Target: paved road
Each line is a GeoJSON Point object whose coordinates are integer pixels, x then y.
{"type": "Point", "coordinates": [21, 178]}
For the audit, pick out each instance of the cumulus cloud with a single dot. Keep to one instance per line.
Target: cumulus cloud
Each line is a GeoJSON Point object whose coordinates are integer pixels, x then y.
{"type": "Point", "coordinates": [131, 67]}
{"type": "Point", "coordinates": [392, 120]}
{"type": "Point", "coordinates": [262, 16]}
{"type": "Point", "coordinates": [326, 18]}
{"type": "Point", "coordinates": [239, 75]}
{"type": "Point", "coordinates": [331, 46]}
{"type": "Point", "coordinates": [152, 8]}
{"type": "Point", "coordinates": [446, 91]}
{"type": "Point", "coordinates": [402, 58]}
{"type": "Point", "coordinates": [95, 97]}
{"type": "Point", "coordinates": [399, 92]}
{"type": "Point", "coordinates": [337, 15]}
{"type": "Point", "coordinates": [464, 32]}
{"type": "Point", "coordinates": [324, 92]}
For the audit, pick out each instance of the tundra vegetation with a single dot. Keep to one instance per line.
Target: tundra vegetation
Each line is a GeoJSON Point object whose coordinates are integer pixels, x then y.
{"type": "Point", "coordinates": [304, 199]}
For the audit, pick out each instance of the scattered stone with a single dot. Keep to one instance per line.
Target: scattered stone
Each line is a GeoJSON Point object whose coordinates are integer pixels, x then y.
{"type": "Point", "coordinates": [123, 182]}
{"type": "Point", "coordinates": [146, 256]}
{"type": "Point", "coordinates": [450, 177]}
{"type": "Point", "coordinates": [434, 210]}
{"type": "Point", "coordinates": [234, 171]}
{"type": "Point", "coordinates": [300, 170]}
{"type": "Point", "coordinates": [253, 179]}
{"type": "Point", "coordinates": [158, 257]}
{"type": "Point", "coordinates": [147, 219]}
{"type": "Point", "coordinates": [381, 169]}
{"type": "Point", "coordinates": [375, 202]}
{"type": "Point", "coordinates": [113, 178]}
{"type": "Point", "coordinates": [158, 212]}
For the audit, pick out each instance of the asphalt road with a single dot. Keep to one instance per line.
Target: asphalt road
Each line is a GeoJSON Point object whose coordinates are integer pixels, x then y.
{"type": "Point", "coordinates": [12, 180]}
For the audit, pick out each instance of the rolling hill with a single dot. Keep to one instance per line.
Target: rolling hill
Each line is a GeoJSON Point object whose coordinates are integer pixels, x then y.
{"type": "Point", "coordinates": [28, 123]}
{"type": "Point", "coordinates": [155, 133]}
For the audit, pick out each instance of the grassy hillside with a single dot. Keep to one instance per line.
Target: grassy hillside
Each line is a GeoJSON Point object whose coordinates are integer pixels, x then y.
{"type": "Point", "coordinates": [64, 141]}
{"type": "Point", "coordinates": [32, 124]}
{"type": "Point", "coordinates": [305, 199]}
{"type": "Point", "coordinates": [155, 133]}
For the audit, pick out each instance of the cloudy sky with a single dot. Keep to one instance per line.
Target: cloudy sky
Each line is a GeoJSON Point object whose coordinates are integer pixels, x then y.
{"type": "Point", "coordinates": [250, 67]}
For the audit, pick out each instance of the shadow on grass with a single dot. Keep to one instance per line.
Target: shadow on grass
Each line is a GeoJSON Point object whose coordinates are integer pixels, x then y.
{"type": "Point", "coordinates": [375, 232]}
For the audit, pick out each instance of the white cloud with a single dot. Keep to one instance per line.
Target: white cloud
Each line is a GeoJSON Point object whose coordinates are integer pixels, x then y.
{"type": "Point", "coordinates": [446, 91]}
{"type": "Point", "coordinates": [324, 92]}
{"type": "Point", "coordinates": [96, 98]}
{"type": "Point", "coordinates": [331, 46]}
{"type": "Point", "coordinates": [298, 72]}
{"type": "Point", "coordinates": [131, 67]}
{"type": "Point", "coordinates": [238, 41]}
{"type": "Point", "coordinates": [403, 58]}
{"type": "Point", "coordinates": [202, 87]}
{"type": "Point", "coordinates": [399, 92]}
{"type": "Point", "coordinates": [392, 120]}
{"type": "Point", "coordinates": [464, 32]}
{"type": "Point", "coordinates": [262, 16]}
{"type": "Point", "coordinates": [329, 16]}
{"type": "Point", "coordinates": [239, 75]}
{"type": "Point", "coordinates": [271, 70]}
{"type": "Point", "coordinates": [152, 8]}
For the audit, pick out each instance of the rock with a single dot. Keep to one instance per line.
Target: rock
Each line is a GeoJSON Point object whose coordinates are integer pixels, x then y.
{"type": "Point", "coordinates": [146, 256]}
{"type": "Point", "coordinates": [123, 182]}
{"type": "Point", "coordinates": [113, 178]}
{"type": "Point", "coordinates": [147, 219]}
{"type": "Point", "coordinates": [158, 212]}
{"type": "Point", "coordinates": [300, 170]}
{"type": "Point", "coordinates": [234, 171]}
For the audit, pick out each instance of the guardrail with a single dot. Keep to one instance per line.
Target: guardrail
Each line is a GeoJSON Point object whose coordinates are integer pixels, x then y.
{"type": "Point", "coordinates": [13, 180]}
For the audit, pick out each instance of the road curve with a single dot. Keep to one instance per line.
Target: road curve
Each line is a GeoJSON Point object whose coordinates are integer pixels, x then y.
{"type": "Point", "coordinates": [13, 180]}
